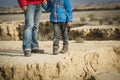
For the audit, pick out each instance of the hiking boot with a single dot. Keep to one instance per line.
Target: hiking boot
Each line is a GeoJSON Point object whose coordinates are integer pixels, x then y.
{"type": "Point", "coordinates": [37, 51]}
{"type": "Point", "coordinates": [64, 49]}
{"type": "Point", "coordinates": [27, 53]}
{"type": "Point", "coordinates": [55, 50]}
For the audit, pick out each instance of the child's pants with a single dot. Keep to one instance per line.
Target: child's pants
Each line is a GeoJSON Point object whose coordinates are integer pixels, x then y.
{"type": "Point", "coordinates": [60, 28]}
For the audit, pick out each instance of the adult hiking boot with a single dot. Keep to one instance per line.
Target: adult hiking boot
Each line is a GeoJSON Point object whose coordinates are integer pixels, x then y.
{"type": "Point", "coordinates": [64, 49]}
{"type": "Point", "coordinates": [41, 51]}
{"type": "Point", "coordinates": [55, 50]}
{"type": "Point", "coordinates": [27, 53]}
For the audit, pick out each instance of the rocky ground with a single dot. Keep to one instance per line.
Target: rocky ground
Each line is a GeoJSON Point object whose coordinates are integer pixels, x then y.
{"type": "Point", "coordinates": [90, 60]}
{"type": "Point", "coordinates": [13, 30]}
{"type": "Point", "coordinates": [100, 32]}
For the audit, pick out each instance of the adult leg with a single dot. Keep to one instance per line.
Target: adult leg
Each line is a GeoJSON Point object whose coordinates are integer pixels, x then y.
{"type": "Point", "coordinates": [35, 29]}
{"type": "Point", "coordinates": [29, 22]}
{"type": "Point", "coordinates": [27, 34]}
{"type": "Point", "coordinates": [35, 45]}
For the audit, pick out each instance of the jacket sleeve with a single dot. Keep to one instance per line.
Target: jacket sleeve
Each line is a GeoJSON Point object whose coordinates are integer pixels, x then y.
{"type": "Point", "coordinates": [68, 8]}
{"type": "Point", "coordinates": [22, 3]}
{"type": "Point", "coordinates": [48, 6]}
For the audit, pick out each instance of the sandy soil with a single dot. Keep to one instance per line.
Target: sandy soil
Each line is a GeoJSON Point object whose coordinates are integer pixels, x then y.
{"type": "Point", "coordinates": [12, 50]}
{"type": "Point", "coordinates": [91, 60]}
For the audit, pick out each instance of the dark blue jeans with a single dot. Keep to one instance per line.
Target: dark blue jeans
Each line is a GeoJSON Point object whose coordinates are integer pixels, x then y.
{"type": "Point", "coordinates": [60, 28]}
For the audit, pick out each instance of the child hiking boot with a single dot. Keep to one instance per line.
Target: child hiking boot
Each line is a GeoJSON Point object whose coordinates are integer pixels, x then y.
{"type": "Point", "coordinates": [55, 50]}
{"type": "Point", "coordinates": [64, 49]}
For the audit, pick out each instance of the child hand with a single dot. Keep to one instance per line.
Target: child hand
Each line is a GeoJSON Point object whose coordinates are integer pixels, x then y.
{"type": "Point", "coordinates": [44, 2]}
{"type": "Point", "coordinates": [69, 24]}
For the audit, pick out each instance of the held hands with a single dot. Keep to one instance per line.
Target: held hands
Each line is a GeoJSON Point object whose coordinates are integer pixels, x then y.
{"type": "Point", "coordinates": [69, 24]}
{"type": "Point", "coordinates": [44, 2]}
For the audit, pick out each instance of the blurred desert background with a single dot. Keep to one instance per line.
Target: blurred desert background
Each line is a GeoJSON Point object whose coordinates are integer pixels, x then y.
{"type": "Point", "coordinates": [94, 51]}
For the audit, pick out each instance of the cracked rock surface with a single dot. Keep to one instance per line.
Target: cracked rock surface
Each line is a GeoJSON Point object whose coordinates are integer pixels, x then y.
{"type": "Point", "coordinates": [91, 60]}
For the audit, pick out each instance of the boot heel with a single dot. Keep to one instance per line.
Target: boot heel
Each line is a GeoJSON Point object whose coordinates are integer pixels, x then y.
{"type": "Point", "coordinates": [55, 50]}
{"type": "Point", "coordinates": [64, 49]}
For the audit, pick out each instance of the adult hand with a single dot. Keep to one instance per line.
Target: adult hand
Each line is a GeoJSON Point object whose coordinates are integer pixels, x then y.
{"type": "Point", "coordinates": [44, 2]}
{"type": "Point", "coordinates": [69, 24]}
{"type": "Point", "coordinates": [24, 8]}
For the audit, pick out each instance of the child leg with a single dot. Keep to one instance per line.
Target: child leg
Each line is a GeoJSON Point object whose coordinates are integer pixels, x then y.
{"type": "Point", "coordinates": [57, 33]}
{"type": "Point", "coordinates": [65, 38]}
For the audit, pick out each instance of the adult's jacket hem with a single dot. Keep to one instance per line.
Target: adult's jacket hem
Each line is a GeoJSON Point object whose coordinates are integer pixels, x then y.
{"type": "Point", "coordinates": [26, 2]}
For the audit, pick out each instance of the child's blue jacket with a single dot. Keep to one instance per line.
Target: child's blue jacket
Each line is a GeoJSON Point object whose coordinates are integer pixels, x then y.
{"type": "Point", "coordinates": [60, 10]}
